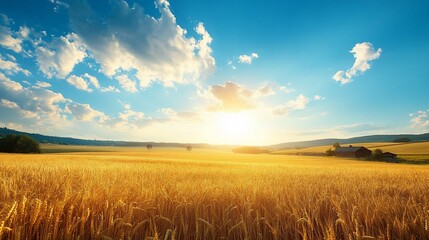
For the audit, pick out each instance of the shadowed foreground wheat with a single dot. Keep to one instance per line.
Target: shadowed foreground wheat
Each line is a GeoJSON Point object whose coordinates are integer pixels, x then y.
{"type": "Point", "coordinates": [209, 195]}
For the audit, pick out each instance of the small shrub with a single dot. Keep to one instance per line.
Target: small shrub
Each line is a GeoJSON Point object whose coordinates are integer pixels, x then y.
{"type": "Point", "coordinates": [330, 152]}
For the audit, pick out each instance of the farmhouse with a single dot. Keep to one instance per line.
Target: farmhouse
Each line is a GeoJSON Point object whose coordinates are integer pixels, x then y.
{"type": "Point", "coordinates": [389, 155]}
{"type": "Point", "coordinates": [353, 152]}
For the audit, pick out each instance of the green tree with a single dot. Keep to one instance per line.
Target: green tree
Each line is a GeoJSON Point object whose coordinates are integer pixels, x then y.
{"type": "Point", "coordinates": [377, 154]}
{"type": "Point", "coordinates": [19, 144]}
{"type": "Point", "coordinates": [330, 152]}
{"type": "Point", "coordinates": [336, 145]}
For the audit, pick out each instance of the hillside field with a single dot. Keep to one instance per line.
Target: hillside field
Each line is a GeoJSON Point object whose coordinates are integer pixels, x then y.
{"type": "Point", "coordinates": [133, 193]}
{"type": "Point", "coordinates": [415, 151]}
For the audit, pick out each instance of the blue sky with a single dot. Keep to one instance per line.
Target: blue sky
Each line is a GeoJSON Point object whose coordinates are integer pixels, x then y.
{"type": "Point", "coordinates": [235, 72]}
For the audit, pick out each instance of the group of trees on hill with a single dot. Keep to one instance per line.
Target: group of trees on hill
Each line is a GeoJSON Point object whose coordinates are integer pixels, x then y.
{"type": "Point", "coordinates": [402, 140]}
{"type": "Point", "coordinates": [18, 144]}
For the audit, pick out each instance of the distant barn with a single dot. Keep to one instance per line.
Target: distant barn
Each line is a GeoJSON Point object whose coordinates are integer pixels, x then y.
{"type": "Point", "coordinates": [353, 152]}
{"type": "Point", "coordinates": [389, 155]}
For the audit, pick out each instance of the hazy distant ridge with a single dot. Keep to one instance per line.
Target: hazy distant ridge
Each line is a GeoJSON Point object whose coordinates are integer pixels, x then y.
{"type": "Point", "coordinates": [362, 139]}
{"type": "Point", "coordinates": [76, 141]}
{"type": "Point", "coordinates": [301, 144]}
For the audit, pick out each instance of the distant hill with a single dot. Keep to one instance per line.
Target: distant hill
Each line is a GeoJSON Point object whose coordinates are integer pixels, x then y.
{"type": "Point", "coordinates": [366, 139]}
{"type": "Point", "coordinates": [287, 145]}
{"type": "Point", "coordinates": [76, 141]}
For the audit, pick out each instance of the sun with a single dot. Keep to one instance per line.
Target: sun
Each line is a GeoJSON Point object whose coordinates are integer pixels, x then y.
{"type": "Point", "coordinates": [233, 128]}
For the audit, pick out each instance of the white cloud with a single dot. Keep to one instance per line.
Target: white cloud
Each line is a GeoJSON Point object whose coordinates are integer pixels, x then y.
{"type": "Point", "coordinates": [9, 39]}
{"type": "Point", "coordinates": [93, 80]}
{"type": "Point", "coordinates": [233, 97]}
{"type": "Point", "coordinates": [420, 120]}
{"type": "Point", "coordinates": [109, 89]}
{"type": "Point", "coordinates": [59, 57]}
{"type": "Point", "coordinates": [8, 104]}
{"type": "Point", "coordinates": [83, 112]}
{"type": "Point", "coordinates": [128, 118]}
{"type": "Point", "coordinates": [38, 100]}
{"type": "Point", "coordinates": [230, 64]}
{"type": "Point", "coordinates": [79, 83]}
{"type": "Point", "coordinates": [318, 97]}
{"type": "Point", "coordinates": [247, 58]}
{"type": "Point", "coordinates": [363, 54]}
{"type": "Point", "coordinates": [299, 103]}
{"type": "Point", "coordinates": [8, 84]}
{"type": "Point", "coordinates": [126, 83]}
{"type": "Point", "coordinates": [266, 90]}
{"type": "Point", "coordinates": [43, 84]}
{"type": "Point", "coordinates": [11, 67]}
{"type": "Point", "coordinates": [12, 58]}
{"type": "Point", "coordinates": [12, 105]}
{"type": "Point", "coordinates": [128, 40]}
{"type": "Point", "coordinates": [286, 89]}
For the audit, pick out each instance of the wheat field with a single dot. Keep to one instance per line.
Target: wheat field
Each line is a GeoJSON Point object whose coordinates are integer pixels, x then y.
{"type": "Point", "coordinates": [209, 194]}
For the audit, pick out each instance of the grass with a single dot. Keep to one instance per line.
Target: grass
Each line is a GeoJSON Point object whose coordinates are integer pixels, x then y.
{"type": "Point", "coordinates": [209, 194]}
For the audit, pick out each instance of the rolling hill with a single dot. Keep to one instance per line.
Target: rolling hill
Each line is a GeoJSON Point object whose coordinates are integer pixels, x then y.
{"type": "Point", "coordinates": [354, 140]}
{"type": "Point", "coordinates": [322, 143]}
{"type": "Point", "coordinates": [76, 141]}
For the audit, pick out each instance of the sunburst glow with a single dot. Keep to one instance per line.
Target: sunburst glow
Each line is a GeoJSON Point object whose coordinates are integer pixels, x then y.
{"type": "Point", "coordinates": [232, 128]}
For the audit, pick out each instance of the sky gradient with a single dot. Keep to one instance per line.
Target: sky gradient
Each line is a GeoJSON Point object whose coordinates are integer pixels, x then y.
{"type": "Point", "coordinates": [220, 72]}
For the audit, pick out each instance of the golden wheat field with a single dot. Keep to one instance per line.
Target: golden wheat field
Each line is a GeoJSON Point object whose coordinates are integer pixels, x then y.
{"type": "Point", "coordinates": [209, 194]}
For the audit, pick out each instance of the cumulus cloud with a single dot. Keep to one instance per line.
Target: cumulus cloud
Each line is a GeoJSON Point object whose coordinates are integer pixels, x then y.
{"type": "Point", "coordinates": [128, 118]}
{"type": "Point", "coordinates": [8, 38]}
{"type": "Point", "coordinates": [83, 112]}
{"type": "Point", "coordinates": [43, 102]}
{"type": "Point", "coordinates": [266, 90]}
{"type": "Point", "coordinates": [247, 58]}
{"type": "Point", "coordinates": [12, 105]}
{"type": "Point", "coordinates": [79, 83]}
{"type": "Point", "coordinates": [155, 49]}
{"type": "Point", "coordinates": [233, 97]}
{"type": "Point", "coordinates": [93, 80]}
{"type": "Point", "coordinates": [8, 104]}
{"type": "Point", "coordinates": [11, 67]}
{"type": "Point", "coordinates": [126, 83]}
{"type": "Point", "coordinates": [43, 84]}
{"type": "Point", "coordinates": [58, 58]}
{"type": "Point", "coordinates": [363, 54]}
{"type": "Point", "coordinates": [420, 119]}
{"type": "Point", "coordinates": [299, 103]}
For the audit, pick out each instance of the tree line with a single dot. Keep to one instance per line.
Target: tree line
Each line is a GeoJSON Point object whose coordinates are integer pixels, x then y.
{"type": "Point", "coordinates": [19, 144]}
